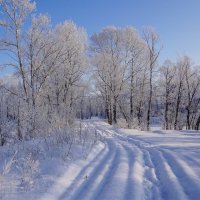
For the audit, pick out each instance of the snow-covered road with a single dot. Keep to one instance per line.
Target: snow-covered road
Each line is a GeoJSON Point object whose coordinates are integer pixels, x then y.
{"type": "Point", "coordinates": [135, 165]}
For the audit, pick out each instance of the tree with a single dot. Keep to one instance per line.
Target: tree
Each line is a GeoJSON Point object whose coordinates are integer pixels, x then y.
{"type": "Point", "coordinates": [168, 72]}
{"type": "Point", "coordinates": [49, 63]}
{"type": "Point", "coordinates": [181, 66]}
{"type": "Point", "coordinates": [192, 81]}
{"type": "Point", "coordinates": [14, 14]}
{"type": "Point", "coordinates": [151, 39]}
{"type": "Point", "coordinates": [110, 59]}
{"type": "Point", "coordinates": [134, 49]}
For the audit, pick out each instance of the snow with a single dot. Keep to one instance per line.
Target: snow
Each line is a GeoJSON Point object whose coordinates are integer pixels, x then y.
{"type": "Point", "coordinates": [129, 164]}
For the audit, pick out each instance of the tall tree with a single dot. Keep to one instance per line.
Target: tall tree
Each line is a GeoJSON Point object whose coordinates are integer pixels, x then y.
{"type": "Point", "coordinates": [110, 59]}
{"type": "Point", "coordinates": [151, 39]}
{"type": "Point", "coordinates": [168, 72]}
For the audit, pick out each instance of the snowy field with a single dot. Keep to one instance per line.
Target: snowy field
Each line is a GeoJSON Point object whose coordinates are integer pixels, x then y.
{"type": "Point", "coordinates": [126, 164]}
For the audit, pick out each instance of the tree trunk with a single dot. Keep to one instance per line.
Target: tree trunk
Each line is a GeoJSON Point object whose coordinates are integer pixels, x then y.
{"type": "Point", "coordinates": [131, 96]}
{"type": "Point", "coordinates": [188, 118]}
{"type": "Point", "coordinates": [150, 100]}
{"type": "Point", "coordinates": [115, 111]}
{"type": "Point", "coordinates": [166, 109]}
{"type": "Point", "coordinates": [110, 119]}
{"type": "Point", "coordinates": [19, 122]}
{"type": "Point", "coordinates": [197, 124]}
{"type": "Point", "coordinates": [177, 107]}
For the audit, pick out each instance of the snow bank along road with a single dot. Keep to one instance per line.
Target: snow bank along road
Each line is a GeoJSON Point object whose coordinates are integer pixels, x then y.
{"type": "Point", "coordinates": [135, 165]}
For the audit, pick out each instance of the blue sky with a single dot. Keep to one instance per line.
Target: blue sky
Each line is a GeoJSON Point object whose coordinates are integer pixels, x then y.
{"type": "Point", "coordinates": [176, 21]}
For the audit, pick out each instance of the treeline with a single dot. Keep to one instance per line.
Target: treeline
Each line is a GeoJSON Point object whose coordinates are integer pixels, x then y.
{"type": "Point", "coordinates": [133, 86]}
{"type": "Point", "coordinates": [51, 85]}
{"type": "Point", "coordinates": [48, 64]}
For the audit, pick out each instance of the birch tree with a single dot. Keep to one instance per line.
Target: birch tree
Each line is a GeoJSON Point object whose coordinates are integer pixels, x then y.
{"type": "Point", "coordinates": [111, 67]}
{"type": "Point", "coordinates": [151, 39]}
{"type": "Point", "coordinates": [14, 14]}
{"type": "Point", "coordinates": [168, 72]}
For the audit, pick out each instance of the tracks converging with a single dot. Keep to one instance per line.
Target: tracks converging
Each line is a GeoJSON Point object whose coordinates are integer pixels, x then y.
{"type": "Point", "coordinates": [128, 168]}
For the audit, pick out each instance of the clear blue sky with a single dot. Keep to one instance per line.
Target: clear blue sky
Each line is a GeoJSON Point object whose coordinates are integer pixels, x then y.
{"type": "Point", "coordinates": [176, 21]}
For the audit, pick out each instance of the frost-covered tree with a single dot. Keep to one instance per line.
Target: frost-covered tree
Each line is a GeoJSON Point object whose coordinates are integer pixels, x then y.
{"type": "Point", "coordinates": [192, 85]}
{"type": "Point", "coordinates": [134, 58]}
{"type": "Point", "coordinates": [180, 93]}
{"type": "Point", "coordinates": [123, 61]}
{"type": "Point", "coordinates": [151, 39]}
{"type": "Point", "coordinates": [66, 84]}
{"type": "Point", "coordinates": [111, 65]}
{"type": "Point", "coordinates": [48, 64]}
{"type": "Point", "coordinates": [167, 86]}
{"type": "Point", "coordinates": [14, 14]}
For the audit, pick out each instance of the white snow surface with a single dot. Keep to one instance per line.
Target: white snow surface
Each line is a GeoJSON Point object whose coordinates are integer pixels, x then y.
{"type": "Point", "coordinates": [132, 164]}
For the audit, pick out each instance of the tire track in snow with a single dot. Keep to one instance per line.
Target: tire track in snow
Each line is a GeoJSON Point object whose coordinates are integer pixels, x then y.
{"type": "Point", "coordinates": [62, 185]}
{"type": "Point", "coordinates": [135, 170]}
{"type": "Point", "coordinates": [135, 182]}
{"type": "Point", "coordinates": [138, 174]}
{"type": "Point", "coordinates": [170, 186]}
{"type": "Point", "coordinates": [153, 172]}
{"type": "Point", "coordinates": [186, 175]}
{"type": "Point", "coordinates": [98, 182]}
{"type": "Point", "coordinates": [91, 185]}
{"type": "Point", "coordinates": [130, 181]}
{"type": "Point", "coordinates": [181, 184]}
{"type": "Point", "coordinates": [151, 182]}
{"type": "Point", "coordinates": [141, 173]}
{"type": "Point", "coordinates": [135, 179]}
{"type": "Point", "coordinates": [80, 178]}
{"type": "Point", "coordinates": [191, 159]}
{"type": "Point", "coordinates": [113, 185]}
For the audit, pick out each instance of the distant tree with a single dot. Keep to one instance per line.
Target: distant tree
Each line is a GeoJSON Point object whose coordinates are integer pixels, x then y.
{"type": "Point", "coordinates": [168, 72]}
{"type": "Point", "coordinates": [49, 64]}
{"type": "Point", "coordinates": [192, 81]}
{"type": "Point", "coordinates": [151, 39]}
{"type": "Point", "coordinates": [113, 52]}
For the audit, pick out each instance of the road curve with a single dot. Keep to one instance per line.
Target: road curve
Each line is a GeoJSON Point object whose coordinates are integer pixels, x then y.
{"type": "Point", "coordinates": [132, 168]}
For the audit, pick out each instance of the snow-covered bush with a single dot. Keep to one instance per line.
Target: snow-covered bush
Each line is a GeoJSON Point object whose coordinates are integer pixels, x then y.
{"type": "Point", "coordinates": [7, 165]}
{"type": "Point", "coordinates": [4, 176]}
{"type": "Point", "coordinates": [29, 170]}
